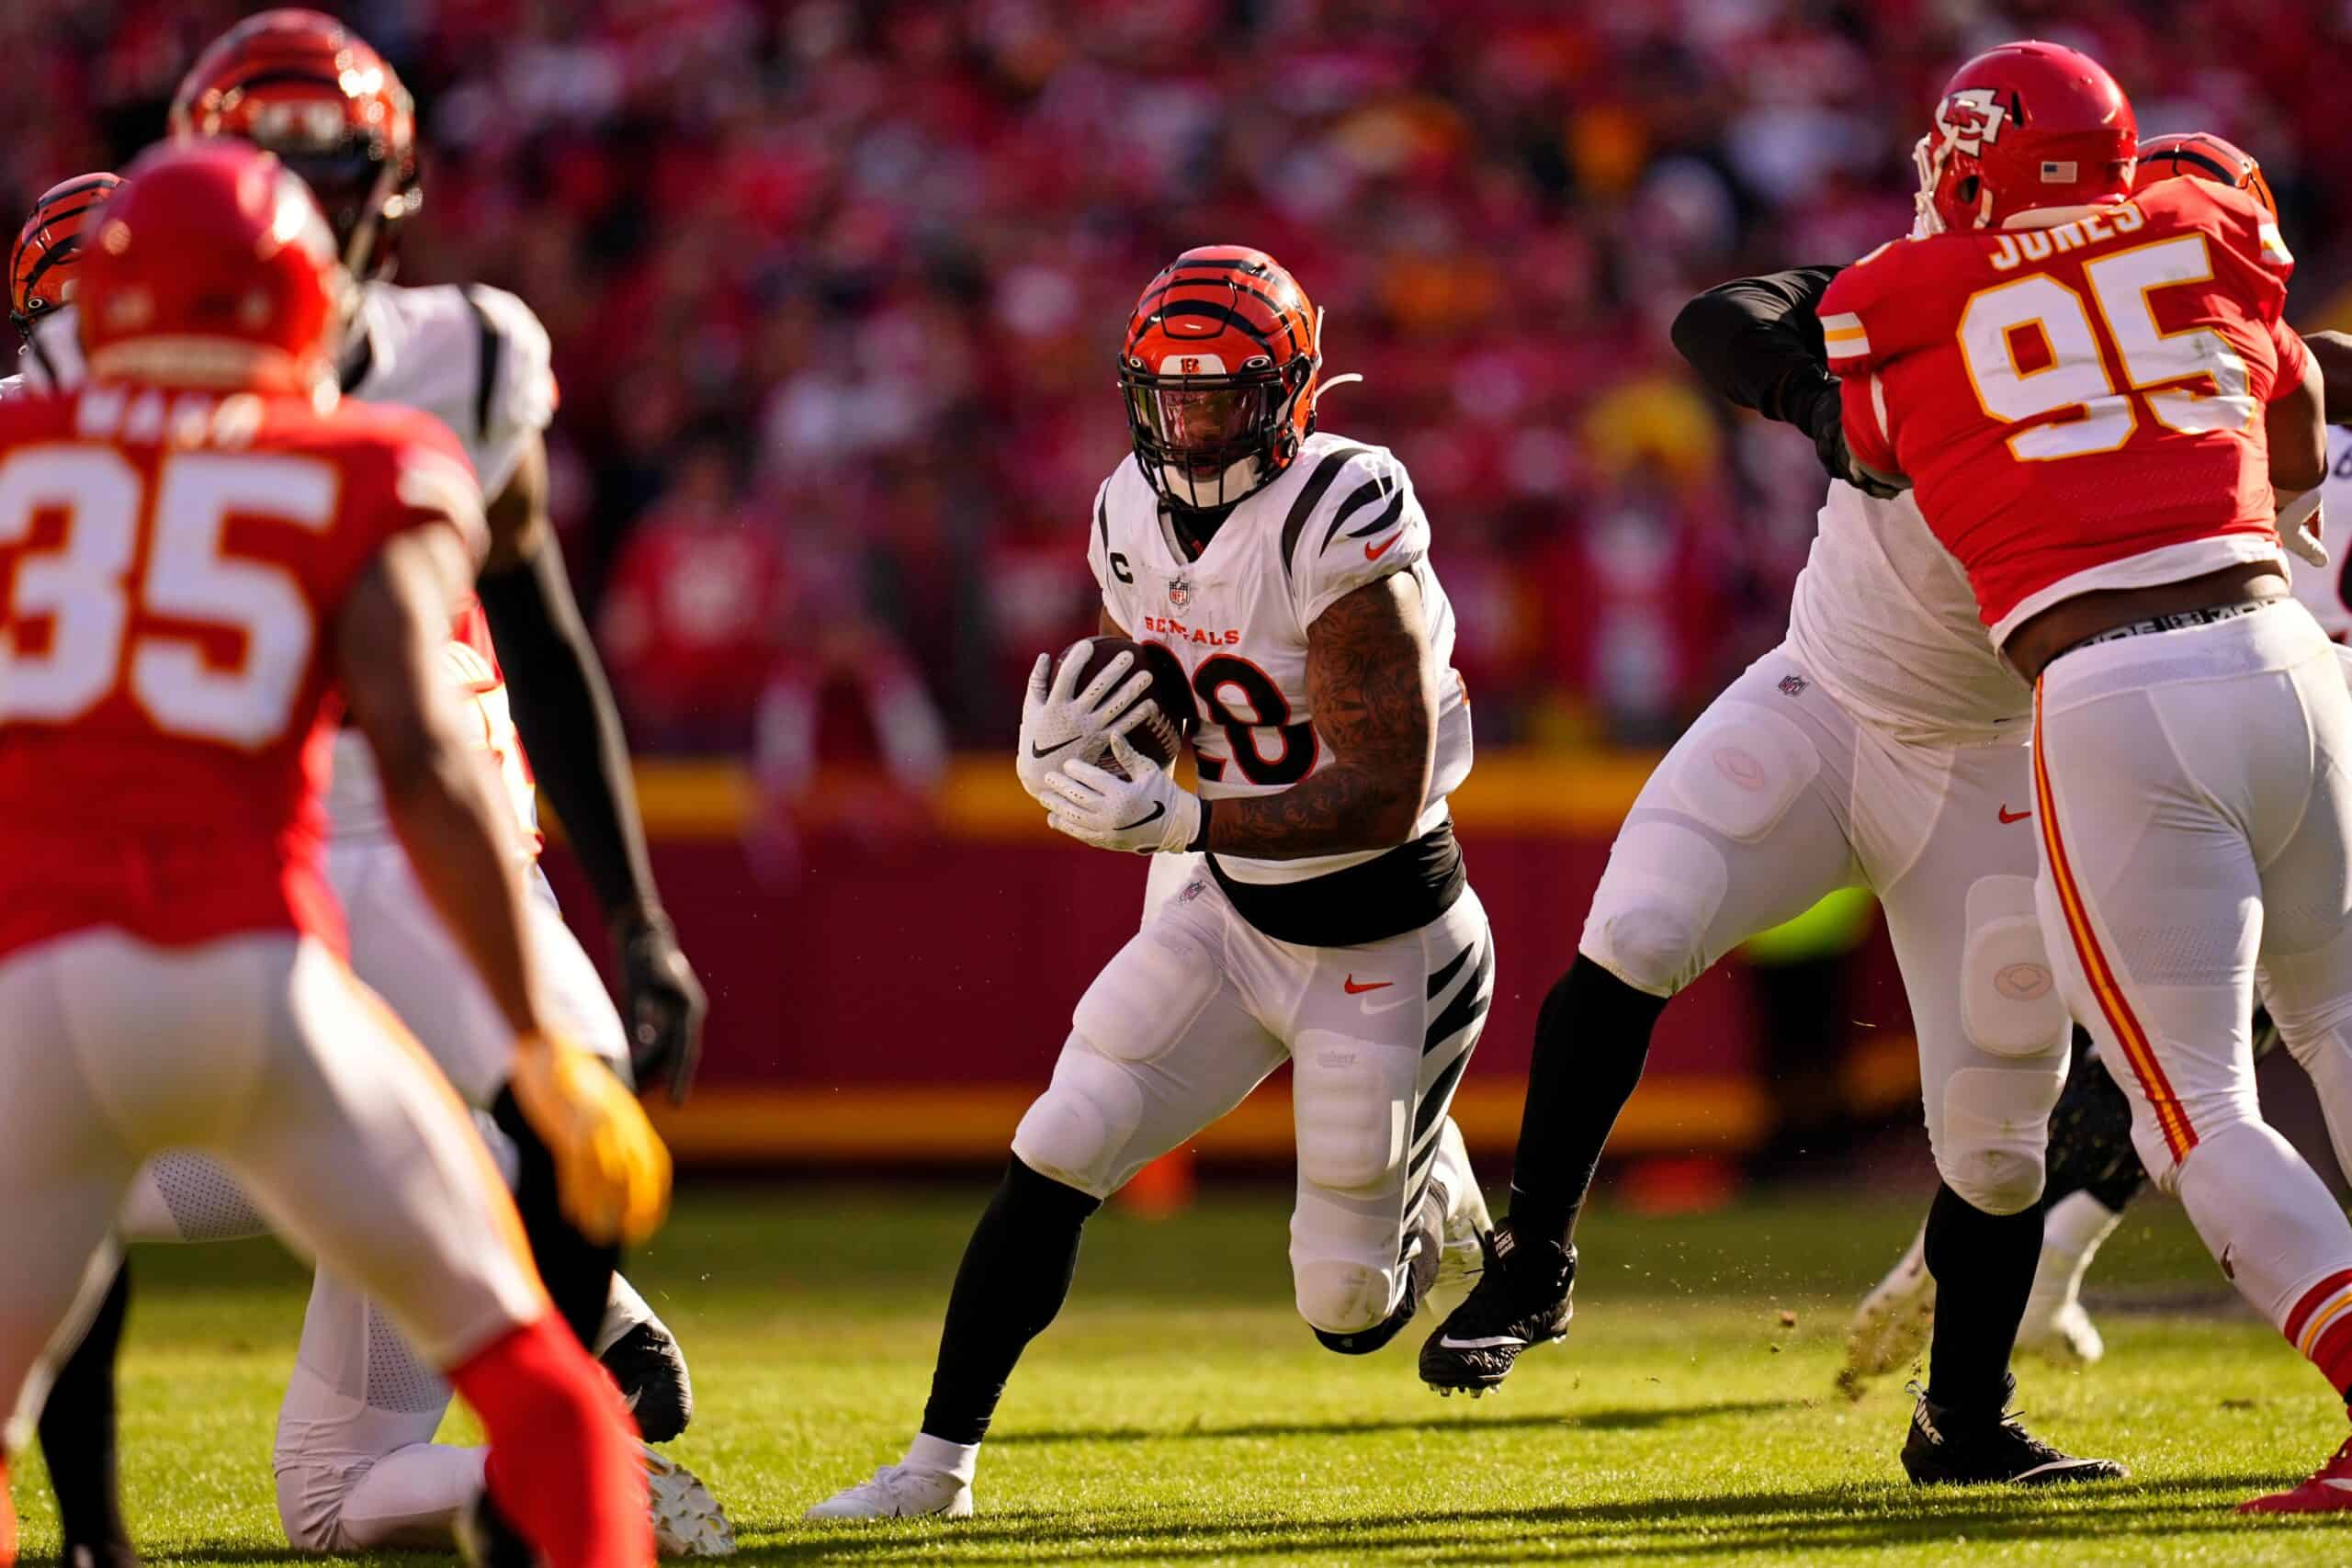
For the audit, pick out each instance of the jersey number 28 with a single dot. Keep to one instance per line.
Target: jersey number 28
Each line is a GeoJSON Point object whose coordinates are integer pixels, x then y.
{"type": "Point", "coordinates": [2070, 373]}
{"type": "Point", "coordinates": [83, 589]}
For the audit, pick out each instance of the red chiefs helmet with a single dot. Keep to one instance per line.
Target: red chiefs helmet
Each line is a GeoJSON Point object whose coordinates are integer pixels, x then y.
{"type": "Point", "coordinates": [1220, 368]}
{"type": "Point", "coordinates": [312, 91]}
{"type": "Point", "coordinates": [2200, 155]}
{"type": "Point", "coordinates": [2024, 126]}
{"type": "Point", "coordinates": [40, 269]}
{"type": "Point", "coordinates": [212, 266]}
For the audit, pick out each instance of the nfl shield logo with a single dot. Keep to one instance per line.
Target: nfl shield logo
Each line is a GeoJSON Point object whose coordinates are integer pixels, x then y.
{"type": "Point", "coordinates": [1793, 685]}
{"type": "Point", "coordinates": [1180, 592]}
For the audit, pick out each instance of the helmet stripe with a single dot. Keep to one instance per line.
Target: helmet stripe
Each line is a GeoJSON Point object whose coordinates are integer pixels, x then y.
{"type": "Point", "coordinates": [1193, 308]}
{"type": "Point", "coordinates": [2211, 165]}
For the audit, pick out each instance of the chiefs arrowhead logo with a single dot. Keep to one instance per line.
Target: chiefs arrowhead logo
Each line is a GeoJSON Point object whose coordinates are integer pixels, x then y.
{"type": "Point", "coordinates": [1971, 120]}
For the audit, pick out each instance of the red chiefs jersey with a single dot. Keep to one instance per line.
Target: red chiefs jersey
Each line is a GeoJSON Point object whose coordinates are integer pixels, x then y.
{"type": "Point", "coordinates": [2079, 405]}
{"type": "Point", "coordinates": [172, 566]}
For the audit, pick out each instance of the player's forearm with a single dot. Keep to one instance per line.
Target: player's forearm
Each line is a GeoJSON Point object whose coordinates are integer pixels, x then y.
{"type": "Point", "coordinates": [1339, 811]}
{"type": "Point", "coordinates": [564, 712]}
{"type": "Point", "coordinates": [1375, 710]}
{"type": "Point", "coordinates": [460, 835]}
{"type": "Point", "coordinates": [2296, 428]}
{"type": "Point", "coordinates": [1758, 344]}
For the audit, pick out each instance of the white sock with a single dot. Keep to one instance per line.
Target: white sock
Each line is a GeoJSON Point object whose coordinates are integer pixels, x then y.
{"type": "Point", "coordinates": [624, 1309]}
{"type": "Point", "coordinates": [2074, 1227]}
{"type": "Point", "coordinates": [943, 1458]}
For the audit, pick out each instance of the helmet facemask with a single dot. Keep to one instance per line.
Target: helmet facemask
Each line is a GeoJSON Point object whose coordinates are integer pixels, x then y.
{"type": "Point", "coordinates": [1207, 437]}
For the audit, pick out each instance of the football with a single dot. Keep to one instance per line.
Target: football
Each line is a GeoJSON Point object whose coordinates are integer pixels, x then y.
{"type": "Point", "coordinates": [1163, 734]}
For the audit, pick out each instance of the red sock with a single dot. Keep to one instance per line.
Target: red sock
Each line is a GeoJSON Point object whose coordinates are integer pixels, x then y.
{"type": "Point", "coordinates": [8, 1521]}
{"type": "Point", "coordinates": [563, 1464]}
{"type": "Point", "coordinates": [2320, 1326]}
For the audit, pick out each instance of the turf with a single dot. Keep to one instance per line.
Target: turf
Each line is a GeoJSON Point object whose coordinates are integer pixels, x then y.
{"type": "Point", "coordinates": [1178, 1412]}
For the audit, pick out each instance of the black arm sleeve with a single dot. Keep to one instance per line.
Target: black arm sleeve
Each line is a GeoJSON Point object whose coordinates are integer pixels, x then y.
{"type": "Point", "coordinates": [1757, 341]}
{"type": "Point", "coordinates": [564, 712]}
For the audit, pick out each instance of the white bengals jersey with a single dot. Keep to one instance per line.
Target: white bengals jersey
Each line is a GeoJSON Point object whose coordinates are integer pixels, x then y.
{"type": "Point", "coordinates": [2324, 590]}
{"type": "Point", "coordinates": [1883, 617]}
{"type": "Point", "coordinates": [1343, 514]}
{"type": "Point", "coordinates": [477, 359]}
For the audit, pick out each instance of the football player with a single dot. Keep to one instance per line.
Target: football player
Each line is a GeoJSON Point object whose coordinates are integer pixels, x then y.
{"type": "Point", "coordinates": [1313, 907]}
{"type": "Point", "coordinates": [2094, 1170]}
{"type": "Point", "coordinates": [171, 968]}
{"type": "Point", "coordinates": [355, 1462]}
{"type": "Point", "coordinates": [2112, 430]}
{"type": "Point", "coordinates": [1884, 743]}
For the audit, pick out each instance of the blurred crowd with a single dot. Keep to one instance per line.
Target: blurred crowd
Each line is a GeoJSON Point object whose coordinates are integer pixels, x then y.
{"type": "Point", "coordinates": [835, 286]}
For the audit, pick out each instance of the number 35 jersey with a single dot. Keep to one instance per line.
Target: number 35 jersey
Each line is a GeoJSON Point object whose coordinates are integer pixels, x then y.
{"type": "Point", "coordinates": [173, 567]}
{"type": "Point", "coordinates": [1343, 514]}
{"type": "Point", "coordinates": [2080, 405]}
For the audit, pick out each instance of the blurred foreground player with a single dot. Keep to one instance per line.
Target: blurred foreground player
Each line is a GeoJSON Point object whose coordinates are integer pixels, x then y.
{"type": "Point", "coordinates": [1329, 923]}
{"type": "Point", "coordinates": [355, 1461]}
{"type": "Point", "coordinates": [197, 547]}
{"type": "Point", "coordinates": [1884, 743]}
{"type": "Point", "coordinates": [2111, 430]}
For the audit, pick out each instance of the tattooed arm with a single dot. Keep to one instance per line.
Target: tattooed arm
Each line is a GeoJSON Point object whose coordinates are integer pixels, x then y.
{"type": "Point", "coordinates": [1375, 696]}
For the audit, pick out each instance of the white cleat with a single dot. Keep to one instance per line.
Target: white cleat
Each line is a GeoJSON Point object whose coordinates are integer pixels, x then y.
{"type": "Point", "coordinates": [899, 1492]}
{"type": "Point", "coordinates": [2066, 1337]}
{"type": "Point", "coordinates": [1460, 1257]}
{"type": "Point", "coordinates": [1891, 1327]}
{"type": "Point", "coordinates": [687, 1520]}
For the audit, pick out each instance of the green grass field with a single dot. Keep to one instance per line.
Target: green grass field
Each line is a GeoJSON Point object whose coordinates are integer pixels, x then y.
{"type": "Point", "coordinates": [1179, 1413]}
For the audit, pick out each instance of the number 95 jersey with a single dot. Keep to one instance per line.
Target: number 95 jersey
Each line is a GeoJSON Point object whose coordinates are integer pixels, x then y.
{"type": "Point", "coordinates": [2080, 405]}
{"type": "Point", "coordinates": [1343, 515]}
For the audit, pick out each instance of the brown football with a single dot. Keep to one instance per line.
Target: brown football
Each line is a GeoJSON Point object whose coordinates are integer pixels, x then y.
{"type": "Point", "coordinates": [1161, 735]}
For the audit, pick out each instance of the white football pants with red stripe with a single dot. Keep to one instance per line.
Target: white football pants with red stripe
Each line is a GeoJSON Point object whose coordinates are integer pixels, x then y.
{"type": "Point", "coordinates": [2194, 796]}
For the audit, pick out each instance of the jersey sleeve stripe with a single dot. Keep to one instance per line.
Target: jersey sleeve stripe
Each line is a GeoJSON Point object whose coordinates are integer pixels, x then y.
{"type": "Point", "coordinates": [2274, 245]}
{"type": "Point", "coordinates": [494, 349]}
{"type": "Point", "coordinates": [1843, 327]}
{"type": "Point", "coordinates": [1310, 496]}
{"type": "Point", "coordinates": [1103, 517]}
{"type": "Point", "coordinates": [1380, 524]}
{"type": "Point", "coordinates": [1878, 408]}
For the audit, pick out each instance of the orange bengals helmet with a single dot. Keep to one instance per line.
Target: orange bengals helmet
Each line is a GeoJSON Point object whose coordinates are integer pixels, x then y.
{"type": "Point", "coordinates": [310, 90]}
{"type": "Point", "coordinates": [1219, 369]}
{"type": "Point", "coordinates": [212, 266]}
{"type": "Point", "coordinates": [40, 269]}
{"type": "Point", "coordinates": [2202, 156]}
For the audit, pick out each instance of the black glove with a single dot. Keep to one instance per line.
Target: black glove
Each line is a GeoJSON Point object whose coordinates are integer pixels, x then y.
{"type": "Point", "coordinates": [663, 1004]}
{"type": "Point", "coordinates": [1826, 422]}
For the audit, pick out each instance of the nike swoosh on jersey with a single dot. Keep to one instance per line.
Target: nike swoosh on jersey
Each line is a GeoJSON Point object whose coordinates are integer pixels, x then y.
{"type": "Point", "coordinates": [1370, 554]}
{"type": "Point", "coordinates": [1354, 989]}
{"type": "Point", "coordinates": [1157, 811]}
{"type": "Point", "coordinates": [2010, 816]}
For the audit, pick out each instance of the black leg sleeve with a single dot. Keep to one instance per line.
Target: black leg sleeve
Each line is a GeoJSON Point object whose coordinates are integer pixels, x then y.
{"type": "Point", "coordinates": [578, 1272]}
{"type": "Point", "coordinates": [1983, 1267]}
{"type": "Point", "coordinates": [1012, 1281]}
{"type": "Point", "coordinates": [1591, 1038]}
{"type": "Point", "coordinates": [77, 1439]}
{"type": "Point", "coordinates": [2090, 1141]}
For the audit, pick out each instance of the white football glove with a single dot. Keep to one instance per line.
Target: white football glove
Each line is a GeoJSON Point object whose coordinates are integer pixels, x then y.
{"type": "Point", "coordinates": [2299, 526]}
{"type": "Point", "coordinates": [1146, 812]}
{"type": "Point", "coordinates": [1058, 723]}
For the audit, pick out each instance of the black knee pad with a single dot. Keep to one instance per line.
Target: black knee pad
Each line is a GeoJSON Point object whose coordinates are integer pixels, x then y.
{"type": "Point", "coordinates": [2090, 1141]}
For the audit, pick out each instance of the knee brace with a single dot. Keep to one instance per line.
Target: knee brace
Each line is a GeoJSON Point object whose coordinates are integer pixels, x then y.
{"type": "Point", "coordinates": [1352, 1120]}
{"type": "Point", "coordinates": [1994, 1136]}
{"type": "Point", "coordinates": [1342, 1301]}
{"type": "Point", "coordinates": [1650, 914]}
{"type": "Point", "coordinates": [2009, 1004]}
{"type": "Point", "coordinates": [1078, 1130]}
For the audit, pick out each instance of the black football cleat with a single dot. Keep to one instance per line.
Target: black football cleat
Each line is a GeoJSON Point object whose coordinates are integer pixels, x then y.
{"type": "Point", "coordinates": [1947, 1447]}
{"type": "Point", "coordinates": [651, 1372]}
{"type": "Point", "coordinates": [487, 1539]}
{"type": "Point", "coordinates": [1521, 1301]}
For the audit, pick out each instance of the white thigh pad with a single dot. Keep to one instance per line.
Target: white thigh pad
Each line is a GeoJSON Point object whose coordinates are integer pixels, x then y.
{"type": "Point", "coordinates": [1151, 992]}
{"type": "Point", "coordinates": [1078, 1129]}
{"type": "Point", "coordinates": [1657, 899]}
{"type": "Point", "coordinates": [2009, 1003]}
{"type": "Point", "coordinates": [1741, 768]}
{"type": "Point", "coordinates": [1350, 1116]}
